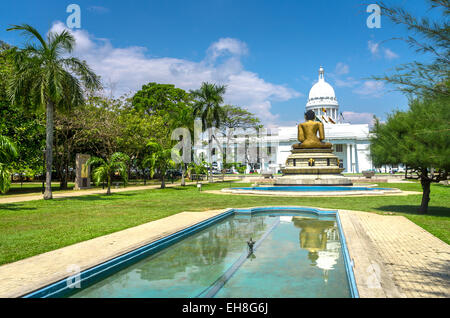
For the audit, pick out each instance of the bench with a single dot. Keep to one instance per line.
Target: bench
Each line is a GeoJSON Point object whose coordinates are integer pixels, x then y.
{"type": "Point", "coordinates": [117, 184]}
{"type": "Point", "coordinates": [368, 174]}
{"type": "Point", "coordinates": [267, 175]}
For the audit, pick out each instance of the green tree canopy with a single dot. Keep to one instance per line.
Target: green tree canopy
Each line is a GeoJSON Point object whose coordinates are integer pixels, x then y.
{"type": "Point", "coordinates": [418, 138]}
{"type": "Point", "coordinates": [163, 100]}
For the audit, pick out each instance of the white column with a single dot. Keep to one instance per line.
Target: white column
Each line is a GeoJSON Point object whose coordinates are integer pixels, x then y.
{"type": "Point", "coordinates": [348, 159]}
{"type": "Point", "coordinates": [354, 158]}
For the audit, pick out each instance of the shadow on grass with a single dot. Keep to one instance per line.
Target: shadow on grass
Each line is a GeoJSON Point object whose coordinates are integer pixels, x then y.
{"type": "Point", "coordinates": [413, 209]}
{"type": "Point", "coordinates": [32, 190]}
{"type": "Point", "coordinates": [97, 197]}
{"type": "Point", "coordinates": [15, 207]}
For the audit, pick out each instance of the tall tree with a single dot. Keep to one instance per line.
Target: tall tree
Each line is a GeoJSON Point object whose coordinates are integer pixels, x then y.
{"type": "Point", "coordinates": [172, 105]}
{"type": "Point", "coordinates": [43, 71]}
{"type": "Point", "coordinates": [428, 36]}
{"type": "Point", "coordinates": [207, 102]}
{"type": "Point", "coordinates": [235, 118]}
{"type": "Point", "coordinates": [418, 138]}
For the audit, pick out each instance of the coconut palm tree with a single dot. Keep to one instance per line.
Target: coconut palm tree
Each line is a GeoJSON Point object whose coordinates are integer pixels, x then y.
{"type": "Point", "coordinates": [8, 152]}
{"type": "Point", "coordinates": [207, 102]}
{"type": "Point", "coordinates": [106, 169]}
{"type": "Point", "coordinates": [44, 72]}
{"type": "Point", "coordinates": [161, 159]}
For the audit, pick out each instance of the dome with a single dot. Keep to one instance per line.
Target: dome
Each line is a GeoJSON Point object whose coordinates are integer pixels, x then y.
{"type": "Point", "coordinates": [322, 93]}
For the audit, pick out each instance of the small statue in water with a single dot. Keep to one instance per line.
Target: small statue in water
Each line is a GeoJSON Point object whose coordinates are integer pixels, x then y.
{"type": "Point", "coordinates": [250, 244]}
{"type": "Point", "coordinates": [307, 133]}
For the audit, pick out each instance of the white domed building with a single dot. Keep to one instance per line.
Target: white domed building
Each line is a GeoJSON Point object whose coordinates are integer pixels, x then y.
{"type": "Point", "coordinates": [351, 142]}
{"type": "Point", "coordinates": [322, 99]}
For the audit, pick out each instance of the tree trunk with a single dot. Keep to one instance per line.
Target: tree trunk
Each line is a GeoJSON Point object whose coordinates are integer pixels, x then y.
{"type": "Point", "coordinates": [210, 177]}
{"type": "Point", "coordinates": [108, 191]}
{"type": "Point", "coordinates": [183, 181]}
{"type": "Point", "coordinates": [49, 151]}
{"type": "Point", "coordinates": [426, 183]}
{"type": "Point", "coordinates": [163, 181]}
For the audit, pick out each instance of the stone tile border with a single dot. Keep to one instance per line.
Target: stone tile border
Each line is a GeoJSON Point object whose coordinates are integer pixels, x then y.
{"type": "Point", "coordinates": [392, 256]}
{"type": "Point", "coordinates": [313, 194]}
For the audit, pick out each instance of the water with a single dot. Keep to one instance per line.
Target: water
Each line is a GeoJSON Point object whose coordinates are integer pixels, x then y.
{"type": "Point", "coordinates": [295, 256]}
{"type": "Point", "coordinates": [311, 188]}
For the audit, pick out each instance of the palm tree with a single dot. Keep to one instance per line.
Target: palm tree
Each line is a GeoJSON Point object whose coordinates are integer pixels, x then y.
{"type": "Point", "coordinates": [8, 152]}
{"type": "Point", "coordinates": [108, 168]}
{"type": "Point", "coordinates": [207, 105]}
{"type": "Point", "coordinates": [159, 158]}
{"type": "Point", "coordinates": [51, 79]}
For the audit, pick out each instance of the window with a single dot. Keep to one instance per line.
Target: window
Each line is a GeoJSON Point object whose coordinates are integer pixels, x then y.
{"type": "Point", "coordinates": [339, 148]}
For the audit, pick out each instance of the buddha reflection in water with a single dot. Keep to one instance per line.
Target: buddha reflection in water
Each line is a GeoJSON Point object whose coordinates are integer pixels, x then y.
{"type": "Point", "coordinates": [321, 241]}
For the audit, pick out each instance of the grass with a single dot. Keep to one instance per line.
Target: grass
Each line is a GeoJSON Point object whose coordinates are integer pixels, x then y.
{"type": "Point", "coordinates": [34, 227]}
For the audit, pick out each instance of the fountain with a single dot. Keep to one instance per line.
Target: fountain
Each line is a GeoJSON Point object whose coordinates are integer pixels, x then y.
{"type": "Point", "coordinates": [312, 161]}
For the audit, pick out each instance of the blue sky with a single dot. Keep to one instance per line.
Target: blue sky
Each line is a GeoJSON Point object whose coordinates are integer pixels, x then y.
{"type": "Point", "coordinates": [267, 52]}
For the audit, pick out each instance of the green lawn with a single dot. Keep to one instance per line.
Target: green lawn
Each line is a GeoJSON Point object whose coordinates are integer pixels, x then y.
{"type": "Point", "coordinates": [30, 228]}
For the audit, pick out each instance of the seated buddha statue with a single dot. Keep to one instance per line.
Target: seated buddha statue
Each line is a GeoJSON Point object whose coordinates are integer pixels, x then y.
{"type": "Point", "coordinates": [307, 133]}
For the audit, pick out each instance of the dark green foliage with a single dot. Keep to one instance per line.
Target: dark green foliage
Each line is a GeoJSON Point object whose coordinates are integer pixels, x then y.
{"type": "Point", "coordinates": [418, 138]}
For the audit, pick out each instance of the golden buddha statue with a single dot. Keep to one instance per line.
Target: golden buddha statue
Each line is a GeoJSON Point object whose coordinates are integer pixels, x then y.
{"type": "Point", "coordinates": [307, 133]}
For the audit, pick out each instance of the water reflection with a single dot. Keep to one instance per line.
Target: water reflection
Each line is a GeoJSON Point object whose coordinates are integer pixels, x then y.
{"type": "Point", "coordinates": [186, 267]}
{"type": "Point", "coordinates": [321, 240]}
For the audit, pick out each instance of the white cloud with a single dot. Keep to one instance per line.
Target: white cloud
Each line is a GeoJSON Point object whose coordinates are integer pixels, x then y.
{"type": "Point", "coordinates": [227, 46]}
{"type": "Point", "coordinates": [370, 89]}
{"type": "Point", "coordinates": [389, 54]}
{"type": "Point", "coordinates": [338, 76]}
{"type": "Point", "coordinates": [342, 68]}
{"type": "Point", "coordinates": [358, 118]}
{"type": "Point", "coordinates": [347, 82]}
{"type": "Point", "coordinates": [374, 48]}
{"type": "Point", "coordinates": [127, 69]}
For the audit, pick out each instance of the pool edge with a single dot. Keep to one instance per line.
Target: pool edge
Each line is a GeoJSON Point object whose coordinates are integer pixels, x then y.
{"type": "Point", "coordinates": [97, 272]}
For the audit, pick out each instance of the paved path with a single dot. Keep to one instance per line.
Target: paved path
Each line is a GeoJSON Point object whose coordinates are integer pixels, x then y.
{"type": "Point", "coordinates": [394, 257]}
{"type": "Point", "coordinates": [77, 193]}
